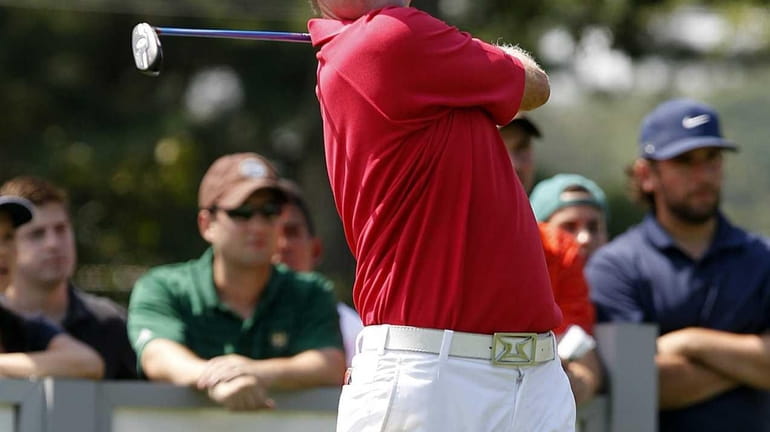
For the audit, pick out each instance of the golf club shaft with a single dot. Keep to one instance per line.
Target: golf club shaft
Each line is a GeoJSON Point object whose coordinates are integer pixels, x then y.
{"type": "Point", "coordinates": [234, 34]}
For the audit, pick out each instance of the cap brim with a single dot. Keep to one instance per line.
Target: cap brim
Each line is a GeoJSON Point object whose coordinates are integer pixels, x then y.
{"type": "Point", "coordinates": [19, 209]}
{"type": "Point", "coordinates": [238, 194]}
{"type": "Point", "coordinates": [525, 124]}
{"type": "Point", "coordinates": [683, 146]}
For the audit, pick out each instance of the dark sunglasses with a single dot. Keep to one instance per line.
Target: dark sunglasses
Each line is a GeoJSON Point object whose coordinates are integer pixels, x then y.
{"type": "Point", "coordinates": [267, 210]}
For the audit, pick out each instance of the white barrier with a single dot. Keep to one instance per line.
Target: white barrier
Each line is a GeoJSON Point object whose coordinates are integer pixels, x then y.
{"type": "Point", "coordinates": [22, 406]}
{"type": "Point", "coordinates": [57, 405]}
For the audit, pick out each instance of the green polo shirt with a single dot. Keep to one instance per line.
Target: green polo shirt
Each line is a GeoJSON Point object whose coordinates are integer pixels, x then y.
{"type": "Point", "coordinates": [297, 312]}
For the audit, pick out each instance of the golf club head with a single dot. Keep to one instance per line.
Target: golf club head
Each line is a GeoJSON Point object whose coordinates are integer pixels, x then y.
{"type": "Point", "coordinates": [145, 44]}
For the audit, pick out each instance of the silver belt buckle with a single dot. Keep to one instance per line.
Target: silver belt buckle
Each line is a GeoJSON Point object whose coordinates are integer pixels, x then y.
{"type": "Point", "coordinates": [514, 349]}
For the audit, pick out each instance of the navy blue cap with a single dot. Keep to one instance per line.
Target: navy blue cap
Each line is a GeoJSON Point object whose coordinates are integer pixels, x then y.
{"type": "Point", "coordinates": [19, 209]}
{"type": "Point", "coordinates": [678, 126]}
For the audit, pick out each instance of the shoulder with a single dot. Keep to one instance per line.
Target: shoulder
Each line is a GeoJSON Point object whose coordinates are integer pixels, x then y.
{"type": "Point", "coordinates": [406, 16]}
{"type": "Point", "coordinates": [621, 258]}
{"type": "Point", "coordinates": [169, 270]}
{"type": "Point", "coordinates": [101, 310]}
{"type": "Point", "coordinates": [404, 27]}
{"type": "Point", "coordinates": [302, 282]}
{"type": "Point", "coordinates": [101, 307]}
{"type": "Point", "coordinates": [168, 275]}
{"type": "Point", "coordinates": [757, 243]}
{"type": "Point", "coordinates": [627, 245]}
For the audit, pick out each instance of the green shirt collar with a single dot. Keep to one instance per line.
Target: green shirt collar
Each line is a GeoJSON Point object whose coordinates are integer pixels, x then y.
{"type": "Point", "coordinates": [204, 268]}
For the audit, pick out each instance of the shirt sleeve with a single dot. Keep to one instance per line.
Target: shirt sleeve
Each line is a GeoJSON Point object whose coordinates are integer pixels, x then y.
{"type": "Point", "coordinates": [153, 313]}
{"type": "Point", "coordinates": [125, 363]}
{"type": "Point", "coordinates": [320, 323]}
{"type": "Point", "coordinates": [421, 66]}
{"type": "Point", "coordinates": [613, 290]}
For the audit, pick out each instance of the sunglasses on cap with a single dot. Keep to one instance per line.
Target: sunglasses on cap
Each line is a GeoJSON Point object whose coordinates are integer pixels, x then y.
{"type": "Point", "coordinates": [267, 210]}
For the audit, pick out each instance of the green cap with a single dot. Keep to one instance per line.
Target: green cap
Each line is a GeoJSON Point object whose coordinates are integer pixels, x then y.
{"type": "Point", "coordinates": [546, 198]}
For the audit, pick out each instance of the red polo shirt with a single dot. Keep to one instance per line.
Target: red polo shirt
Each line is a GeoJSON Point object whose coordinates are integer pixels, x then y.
{"type": "Point", "coordinates": [441, 228]}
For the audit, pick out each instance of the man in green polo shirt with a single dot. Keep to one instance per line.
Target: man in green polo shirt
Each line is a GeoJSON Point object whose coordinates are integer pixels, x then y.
{"type": "Point", "coordinates": [230, 322]}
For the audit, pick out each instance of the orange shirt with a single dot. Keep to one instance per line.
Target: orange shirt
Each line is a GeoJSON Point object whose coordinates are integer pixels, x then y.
{"type": "Point", "coordinates": [565, 268]}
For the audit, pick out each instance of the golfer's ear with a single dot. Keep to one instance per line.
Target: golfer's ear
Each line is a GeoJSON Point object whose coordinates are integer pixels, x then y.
{"type": "Point", "coordinates": [205, 219]}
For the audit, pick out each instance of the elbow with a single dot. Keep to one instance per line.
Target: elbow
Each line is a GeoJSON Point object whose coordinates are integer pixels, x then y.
{"type": "Point", "coordinates": [333, 373]}
{"type": "Point", "coordinates": [93, 366]}
{"type": "Point", "coordinates": [68, 357]}
{"type": "Point", "coordinates": [88, 363]}
{"type": "Point", "coordinates": [763, 382]}
{"type": "Point", "coordinates": [340, 366]}
{"type": "Point", "coordinates": [153, 369]}
{"type": "Point", "coordinates": [537, 90]}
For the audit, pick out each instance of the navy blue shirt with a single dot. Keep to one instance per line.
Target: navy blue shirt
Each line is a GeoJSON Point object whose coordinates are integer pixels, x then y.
{"type": "Point", "coordinates": [19, 334]}
{"type": "Point", "coordinates": [101, 324]}
{"type": "Point", "coordinates": [642, 276]}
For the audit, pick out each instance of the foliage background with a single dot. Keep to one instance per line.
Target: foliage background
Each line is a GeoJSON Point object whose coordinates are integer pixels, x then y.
{"type": "Point", "coordinates": [131, 151]}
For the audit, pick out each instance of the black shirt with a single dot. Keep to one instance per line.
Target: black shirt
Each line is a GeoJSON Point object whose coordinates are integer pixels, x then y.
{"type": "Point", "coordinates": [18, 334]}
{"type": "Point", "coordinates": [101, 324]}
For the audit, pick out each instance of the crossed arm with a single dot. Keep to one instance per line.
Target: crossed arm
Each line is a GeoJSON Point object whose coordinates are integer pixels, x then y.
{"type": "Point", "coordinates": [238, 382]}
{"type": "Point", "coordinates": [696, 364]}
{"type": "Point", "coordinates": [585, 376]}
{"type": "Point", "coordinates": [64, 357]}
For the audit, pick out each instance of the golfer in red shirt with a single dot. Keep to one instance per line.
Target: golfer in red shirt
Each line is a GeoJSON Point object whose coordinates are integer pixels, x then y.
{"type": "Point", "coordinates": [451, 281]}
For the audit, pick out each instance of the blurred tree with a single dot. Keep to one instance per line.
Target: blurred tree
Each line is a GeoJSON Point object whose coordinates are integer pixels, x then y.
{"type": "Point", "coordinates": [132, 149]}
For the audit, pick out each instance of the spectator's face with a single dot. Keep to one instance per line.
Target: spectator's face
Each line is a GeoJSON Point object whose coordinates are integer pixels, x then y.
{"type": "Point", "coordinates": [687, 187]}
{"type": "Point", "coordinates": [583, 221]}
{"type": "Point", "coordinates": [7, 250]}
{"type": "Point", "coordinates": [46, 247]}
{"type": "Point", "coordinates": [244, 236]}
{"type": "Point", "coordinates": [297, 248]}
{"type": "Point", "coordinates": [518, 142]}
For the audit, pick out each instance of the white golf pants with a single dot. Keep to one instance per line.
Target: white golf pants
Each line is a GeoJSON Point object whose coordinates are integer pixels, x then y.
{"type": "Point", "coordinates": [417, 392]}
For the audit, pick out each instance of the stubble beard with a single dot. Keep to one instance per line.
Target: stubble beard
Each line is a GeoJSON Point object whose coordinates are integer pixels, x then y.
{"type": "Point", "coordinates": [693, 215]}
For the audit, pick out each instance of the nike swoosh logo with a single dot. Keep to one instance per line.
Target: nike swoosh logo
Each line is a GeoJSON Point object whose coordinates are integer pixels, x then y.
{"type": "Point", "coordinates": [693, 122]}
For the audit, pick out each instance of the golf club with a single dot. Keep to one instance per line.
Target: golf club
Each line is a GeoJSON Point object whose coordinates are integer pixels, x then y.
{"type": "Point", "coordinates": [148, 55]}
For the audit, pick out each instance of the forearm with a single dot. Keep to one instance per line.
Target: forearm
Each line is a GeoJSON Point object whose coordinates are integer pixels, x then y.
{"type": "Point", "coordinates": [166, 360]}
{"type": "Point", "coordinates": [743, 357]}
{"type": "Point", "coordinates": [537, 88]}
{"type": "Point", "coordinates": [585, 376]}
{"type": "Point", "coordinates": [325, 367]}
{"type": "Point", "coordinates": [64, 357]}
{"type": "Point", "coordinates": [682, 383]}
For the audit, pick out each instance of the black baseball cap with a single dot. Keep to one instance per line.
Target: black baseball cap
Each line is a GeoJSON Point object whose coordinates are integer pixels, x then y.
{"type": "Point", "coordinates": [525, 123]}
{"type": "Point", "coordinates": [678, 126]}
{"type": "Point", "coordinates": [18, 208]}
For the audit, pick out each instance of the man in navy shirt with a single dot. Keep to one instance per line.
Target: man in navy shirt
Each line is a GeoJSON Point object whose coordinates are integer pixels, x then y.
{"type": "Point", "coordinates": [33, 347]}
{"type": "Point", "coordinates": [703, 281]}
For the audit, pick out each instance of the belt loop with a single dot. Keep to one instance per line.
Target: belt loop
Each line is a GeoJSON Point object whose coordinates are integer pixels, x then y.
{"type": "Point", "coordinates": [446, 345]}
{"type": "Point", "coordinates": [359, 342]}
{"type": "Point", "coordinates": [443, 354]}
{"type": "Point", "coordinates": [552, 340]}
{"type": "Point", "coordinates": [382, 338]}
{"type": "Point", "coordinates": [372, 338]}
